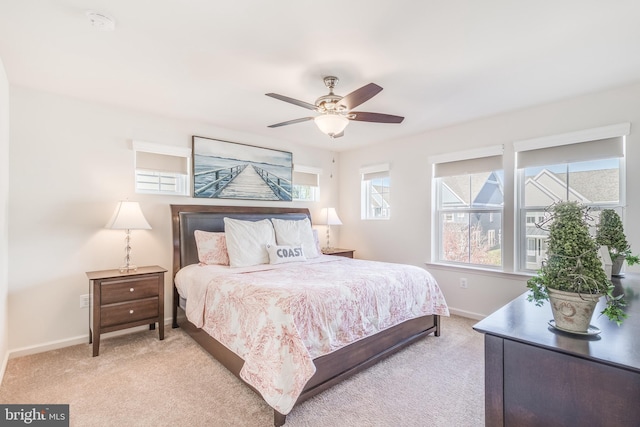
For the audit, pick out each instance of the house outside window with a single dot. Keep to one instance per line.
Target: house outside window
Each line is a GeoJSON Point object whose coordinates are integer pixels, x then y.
{"type": "Point", "coordinates": [161, 169]}
{"type": "Point", "coordinates": [375, 192]}
{"type": "Point", "coordinates": [592, 173]}
{"type": "Point", "coordinates": [469, 189]}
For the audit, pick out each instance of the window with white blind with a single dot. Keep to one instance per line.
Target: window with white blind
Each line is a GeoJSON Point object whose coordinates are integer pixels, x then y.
{"type": "Point", "coordinates": [306, 183]}
{"type": "Point", "coordinates": [586, 166]}
{"type": "Point", "coordinates": [161, 169]}
{"type": "Point", "coordinates": [375, 192]}
{"type": "Point", "coordinates": [469, 201]}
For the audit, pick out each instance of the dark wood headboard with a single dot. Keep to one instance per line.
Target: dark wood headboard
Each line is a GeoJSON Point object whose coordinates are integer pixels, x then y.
{"type": "Point", "coordinates": [185, 219]}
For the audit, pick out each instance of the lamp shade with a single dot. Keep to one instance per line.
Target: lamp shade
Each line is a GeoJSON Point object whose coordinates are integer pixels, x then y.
{"type": "Point", "coordinates": [128, 216]}
{"type": "Point", "coordinates": [329, 216]}
{"type": "Point", "coordinates": [331, 124]}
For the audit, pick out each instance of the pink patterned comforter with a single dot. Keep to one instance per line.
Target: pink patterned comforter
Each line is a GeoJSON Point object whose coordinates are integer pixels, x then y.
{"type": "Point", "coordinates": [278, 318]}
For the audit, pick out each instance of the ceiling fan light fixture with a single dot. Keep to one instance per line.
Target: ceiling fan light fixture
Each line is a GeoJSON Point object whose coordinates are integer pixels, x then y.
{"type": "Point", "coordinates": [331, 124]}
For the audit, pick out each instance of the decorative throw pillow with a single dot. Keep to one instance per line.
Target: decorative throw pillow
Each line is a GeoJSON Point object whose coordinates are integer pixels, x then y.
{"type": "Point", "coordinates": [296, 233]}
{"type": "Point", "coordinates": [282, 254]}
{"type": "Point", "coordinates": [247, 241]}
{"type": "Point", "coordinates": [212, 247]}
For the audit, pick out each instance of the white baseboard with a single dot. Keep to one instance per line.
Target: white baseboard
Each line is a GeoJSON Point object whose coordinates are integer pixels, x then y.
{"type": "Point", "coordinates": [51, 345]}
{"type": "Point", "coordinates": [464, 313]}
{"type": "Point", "coordinates": [68, 342]}
{"type": "Point", "coordinates": [3, 367]}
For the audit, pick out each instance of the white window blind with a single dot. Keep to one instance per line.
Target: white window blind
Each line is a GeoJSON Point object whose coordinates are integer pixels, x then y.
{"type": "Point", "coordinates": [306, 175]}
{"type": "Point", "coordinates": [579, 152]}
{"type": "Point", "coordinates": [161, 169]}
{"type": "Point", "coordinates": [306, 182]}
{"type": "Point", "coordinates": [467, 162]}
{"type": "Point", "coordinates": [605, 142]}
{"type": "Point", "coordinates": [375, 171]}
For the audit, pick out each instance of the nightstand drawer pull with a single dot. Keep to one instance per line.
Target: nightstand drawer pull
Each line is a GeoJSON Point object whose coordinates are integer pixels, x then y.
{"type": "Point", "coordinates": [131, 290]}
{"type": "Point", "coordinates": [130, 311]}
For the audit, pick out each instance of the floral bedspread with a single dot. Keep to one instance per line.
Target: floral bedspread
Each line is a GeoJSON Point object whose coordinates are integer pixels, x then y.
{"type": "Point", "coordinates": [278, 318]}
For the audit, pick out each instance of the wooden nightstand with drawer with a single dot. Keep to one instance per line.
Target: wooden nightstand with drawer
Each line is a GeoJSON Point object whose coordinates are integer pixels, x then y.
{"type": "Point", "coordinates": [347, 253]}
{"type": "Point", "coordinates": [124, 300]}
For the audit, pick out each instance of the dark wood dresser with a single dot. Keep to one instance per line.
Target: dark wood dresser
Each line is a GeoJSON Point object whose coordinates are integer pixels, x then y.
{"type": "Point", "coordinates": [536, 375]}
{"type": "Point", "coordinates": [124, 300]}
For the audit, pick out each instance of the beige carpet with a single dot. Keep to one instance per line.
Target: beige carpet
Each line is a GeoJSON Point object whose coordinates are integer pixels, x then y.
{"type": "Point", "coordinates": [140, 381]}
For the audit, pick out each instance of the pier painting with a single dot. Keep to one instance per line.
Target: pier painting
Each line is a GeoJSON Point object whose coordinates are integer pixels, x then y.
{"type": "Point", "coordinates": [228, 170]}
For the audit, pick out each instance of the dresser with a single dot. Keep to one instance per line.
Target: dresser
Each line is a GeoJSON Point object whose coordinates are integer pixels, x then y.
{"type": "Point", "coordinates": [124, 300]}
{"type": "Point", "coordinates": [536, 375]}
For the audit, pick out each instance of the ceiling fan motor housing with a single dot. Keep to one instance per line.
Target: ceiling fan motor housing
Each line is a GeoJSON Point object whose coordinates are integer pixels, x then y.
{"type": "Point", "coordinates": [329, 103]}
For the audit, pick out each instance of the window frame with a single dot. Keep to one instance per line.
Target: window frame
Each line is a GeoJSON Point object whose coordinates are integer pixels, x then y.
{"type": "Point", "coordinates": [312, 190]}
{"type": "Point", "coordinates": [182, 180]}
{"type": "Point", "coordinates": [588, 136]}
{"type": "Point", "coordinates": [368, 175]}
{"type": "Point", "coordinates": [452, 164]}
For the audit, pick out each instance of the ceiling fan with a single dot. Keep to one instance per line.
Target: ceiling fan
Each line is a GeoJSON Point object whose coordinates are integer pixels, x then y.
{"type": "Point", "coordinates": [336, 111]}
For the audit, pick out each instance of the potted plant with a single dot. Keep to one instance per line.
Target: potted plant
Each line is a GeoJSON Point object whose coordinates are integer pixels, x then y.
{"type": "Point", "coordinates": [610, 233]}
{"type": "Point", "coordinates": [572, 277]}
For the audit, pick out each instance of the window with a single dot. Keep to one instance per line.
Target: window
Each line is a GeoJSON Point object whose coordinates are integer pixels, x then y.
{"type": "Point", "coordinates": [375, 196]}
{"type": "Point", "coordinates": [469, 205]}
{"type": "Point", "coordinates": [565, 168]}
{"type": "Point", "coordinates": [306, 185]}
{"type": "Point", "coordinates": [161, 169]}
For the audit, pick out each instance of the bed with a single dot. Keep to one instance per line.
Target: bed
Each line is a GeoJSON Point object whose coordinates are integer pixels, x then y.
{"type": "Point", "coordinates": [324, 364]}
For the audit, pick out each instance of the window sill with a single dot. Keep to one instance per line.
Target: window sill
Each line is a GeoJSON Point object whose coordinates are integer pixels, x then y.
{"type": "Point", "coordinates": [482, 271]}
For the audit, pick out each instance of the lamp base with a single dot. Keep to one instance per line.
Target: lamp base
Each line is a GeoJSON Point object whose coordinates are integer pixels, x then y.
{"type": "Point", "coordinates": [128, 268]}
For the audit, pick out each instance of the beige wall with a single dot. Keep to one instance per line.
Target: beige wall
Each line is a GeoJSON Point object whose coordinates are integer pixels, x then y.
{"type": "Point", "coordinates": [71, 162]}
{"type": "Point", "coordinates": [406, 237]}
{"type": "Point", "coordinates": [4, 219]}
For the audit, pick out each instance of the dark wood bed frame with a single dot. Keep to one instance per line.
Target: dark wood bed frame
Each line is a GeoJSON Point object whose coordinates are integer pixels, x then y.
{"type": "Point", "coordinates": [331, 368]}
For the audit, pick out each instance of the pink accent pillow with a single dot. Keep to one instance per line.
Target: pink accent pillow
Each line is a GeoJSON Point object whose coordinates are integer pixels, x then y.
{"type": "Point", "coordinates": [212, 247]}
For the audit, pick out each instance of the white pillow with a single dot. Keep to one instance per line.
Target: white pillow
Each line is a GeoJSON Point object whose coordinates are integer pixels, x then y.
{"type": "Point", "coordinates": [247, 241]}
{"type": "Point", "coordinates": [296, 233]}
{"type": "Point", "coordinates": [282, 254]}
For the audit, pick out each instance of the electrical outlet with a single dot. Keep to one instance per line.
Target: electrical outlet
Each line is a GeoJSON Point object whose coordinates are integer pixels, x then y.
{"type": "Point", "coordinates": [463, 283]}
{"type": "Point", "coordinates": [84, 301]}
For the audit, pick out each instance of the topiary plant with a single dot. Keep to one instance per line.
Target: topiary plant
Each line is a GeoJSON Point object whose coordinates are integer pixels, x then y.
{"type": "Point", "coordinates": [572, 263]}
{"type": "Point", "coordinates": [610, 233]}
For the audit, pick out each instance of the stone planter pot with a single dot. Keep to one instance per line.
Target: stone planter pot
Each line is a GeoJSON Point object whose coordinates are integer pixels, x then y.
{"type": "Point", "coordinates": [616, 266]}
{"type": "Point", "coordinates": [572, 312]}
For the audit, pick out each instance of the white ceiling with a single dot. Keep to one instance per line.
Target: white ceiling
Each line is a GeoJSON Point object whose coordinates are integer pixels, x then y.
{"type": "Point", "coordinates": [439, 62]}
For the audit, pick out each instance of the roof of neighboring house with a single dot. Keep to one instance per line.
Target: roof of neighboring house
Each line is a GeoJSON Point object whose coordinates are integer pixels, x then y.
{"type": "Point", "coordinates": [485, 189]}
{"type": "Point", "coordinates": [596, 185]}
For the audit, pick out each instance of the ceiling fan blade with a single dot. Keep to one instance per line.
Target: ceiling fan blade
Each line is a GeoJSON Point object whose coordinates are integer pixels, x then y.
{"type": "Point", "coordinates": [359, 96]}
{"type": "Point", "coordinates": [292, 101]}
{"type": "Point", "coordinates": [291, 122]}
{"type": "Point", "coordinates": [361, 116]}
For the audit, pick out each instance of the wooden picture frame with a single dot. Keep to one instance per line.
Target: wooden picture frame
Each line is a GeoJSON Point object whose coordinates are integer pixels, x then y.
{"type": "Point", "coordinates": [229, 170]}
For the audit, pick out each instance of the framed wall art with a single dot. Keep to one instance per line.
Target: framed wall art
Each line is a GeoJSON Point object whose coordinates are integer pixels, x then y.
{"type": "Point", "coordinates": [228, 170]}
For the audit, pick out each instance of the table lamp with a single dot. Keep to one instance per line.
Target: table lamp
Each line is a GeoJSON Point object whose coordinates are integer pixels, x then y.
{"type": "Point", "coordinates": [128, 216]}
{"type": "Point", "coordinates": [329, 217]}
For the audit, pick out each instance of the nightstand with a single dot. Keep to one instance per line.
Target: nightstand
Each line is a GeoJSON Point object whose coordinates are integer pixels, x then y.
{"type": "Point", "coordinates": [124, 300]}
{"type": "Point", "coordinates": [347, 253]}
